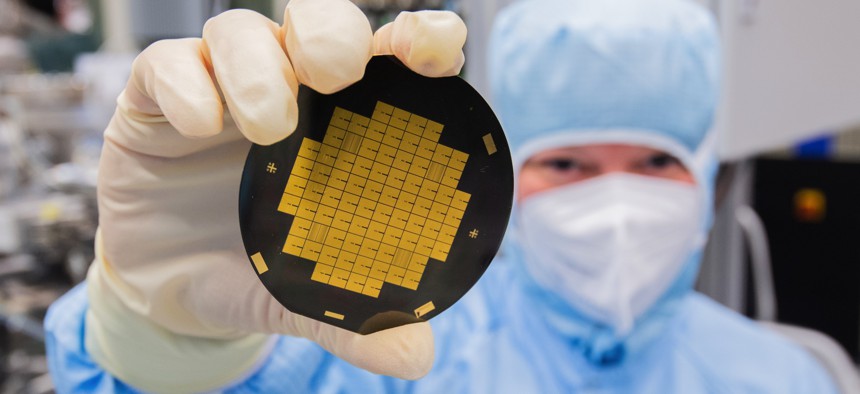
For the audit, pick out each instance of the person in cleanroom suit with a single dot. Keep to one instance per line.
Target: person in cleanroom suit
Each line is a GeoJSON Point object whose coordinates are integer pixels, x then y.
{"type": "Point", "coordinates": [607, 106]}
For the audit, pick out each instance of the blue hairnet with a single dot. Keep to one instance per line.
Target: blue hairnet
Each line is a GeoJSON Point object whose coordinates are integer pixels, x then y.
{"type": "Point", "coordinates": [572, 66]}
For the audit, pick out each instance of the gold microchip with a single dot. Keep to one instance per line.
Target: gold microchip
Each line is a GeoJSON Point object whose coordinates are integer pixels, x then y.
{"type": "Point", "coordinates": [402, 161]}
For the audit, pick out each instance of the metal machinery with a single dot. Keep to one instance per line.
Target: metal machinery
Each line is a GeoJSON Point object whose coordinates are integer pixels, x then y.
{"type": "Point", "coordinates": [781, 248]}
{"type": "Point", "coordinates": [47, 210]}
{"type": "Point", "coordinates": [49, 145]}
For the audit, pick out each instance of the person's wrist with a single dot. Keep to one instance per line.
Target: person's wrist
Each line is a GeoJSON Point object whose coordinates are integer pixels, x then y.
{"type": "Point", "coordinates": [152, 358]}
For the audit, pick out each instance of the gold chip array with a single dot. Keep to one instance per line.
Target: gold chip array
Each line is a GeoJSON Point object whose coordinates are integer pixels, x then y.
{"type": "Point", "coordinates": [375, 200]}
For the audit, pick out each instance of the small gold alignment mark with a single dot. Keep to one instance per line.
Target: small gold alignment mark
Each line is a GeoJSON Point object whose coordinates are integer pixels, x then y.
{"type": "Point", "coordinates": [259, 263]}
{"type": "Point", "coordinates": [424, 309]}
{"type": "Point", "coordinates": [333, 315]}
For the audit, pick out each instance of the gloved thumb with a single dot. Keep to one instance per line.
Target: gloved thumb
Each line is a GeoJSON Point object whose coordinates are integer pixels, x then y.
{"type": "Point", "coordinates": [404, 352]}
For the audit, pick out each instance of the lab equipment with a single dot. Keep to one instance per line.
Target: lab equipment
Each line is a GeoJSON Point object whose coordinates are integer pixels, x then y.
{"type": "Point", "coordinates": [773, 98]}
{"type": "Point", "coordinates": [809, 211]}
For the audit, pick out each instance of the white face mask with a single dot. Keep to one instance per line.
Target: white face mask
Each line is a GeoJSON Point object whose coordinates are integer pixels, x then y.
{"type": "Point", "coordinates": [612, 245]}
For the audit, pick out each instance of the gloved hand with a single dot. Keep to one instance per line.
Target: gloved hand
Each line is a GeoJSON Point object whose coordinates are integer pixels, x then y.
{"type": "Point", "coordinates": [174, 302]}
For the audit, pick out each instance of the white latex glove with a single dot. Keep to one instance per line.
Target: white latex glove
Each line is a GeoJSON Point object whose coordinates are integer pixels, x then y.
{"type": "Point", "coordinates": [174, 303]}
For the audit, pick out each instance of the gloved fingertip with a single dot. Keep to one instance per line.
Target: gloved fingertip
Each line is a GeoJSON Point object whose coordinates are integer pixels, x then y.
{"type": "Point", "coordinates": [382, 40]}
{"type": "Point", "coordinates": [273, 129]}
{"type": "Point", "coordinates": [434, 68]}
{"type": "Point", "coordinates": [255, 75]}
{"type": "Point", "coordinates": [173, 74]}
{"type": "Point", "coordinates": [328, 41]}
{"type": "Point", "coordinates": [428, 42]}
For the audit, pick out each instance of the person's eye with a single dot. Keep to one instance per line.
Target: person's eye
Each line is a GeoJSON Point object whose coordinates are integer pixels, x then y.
{"type": "Point", "coordinates": [662, 160]}
{"type": "Point", "coordinates": [559, 164]}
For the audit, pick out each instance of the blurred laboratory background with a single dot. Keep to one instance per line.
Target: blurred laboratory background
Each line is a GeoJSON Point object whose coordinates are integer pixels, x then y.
{"type": "Point", "coordinates": [785, 247]}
